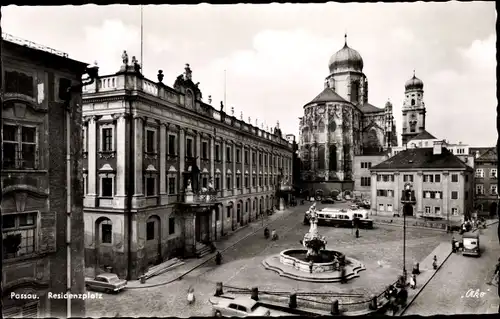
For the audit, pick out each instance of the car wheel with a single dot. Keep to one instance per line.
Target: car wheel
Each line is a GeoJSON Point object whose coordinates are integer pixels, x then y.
{"type": "Point", "coordinates": [218, 314]}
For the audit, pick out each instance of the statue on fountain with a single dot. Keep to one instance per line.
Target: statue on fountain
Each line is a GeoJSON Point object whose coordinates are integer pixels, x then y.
{"type": "Point", "coordinates": [313, 241]}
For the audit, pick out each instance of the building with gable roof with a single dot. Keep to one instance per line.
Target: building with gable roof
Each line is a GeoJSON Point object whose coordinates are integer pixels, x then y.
{"type": "Point", "coordinates": [442, 182]}
{"type": "Point", "coordinates": [486, 180]}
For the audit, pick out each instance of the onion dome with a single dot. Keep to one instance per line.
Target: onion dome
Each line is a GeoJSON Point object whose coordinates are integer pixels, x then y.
{"type": "Point", "coordinates": [414, 83]}
{"type": "Point", "coordinates": [346, 58]}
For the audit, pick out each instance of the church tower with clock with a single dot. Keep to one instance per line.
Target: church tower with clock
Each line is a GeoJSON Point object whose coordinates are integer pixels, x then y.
{"type": "Point", "coordinates": [413, 109]}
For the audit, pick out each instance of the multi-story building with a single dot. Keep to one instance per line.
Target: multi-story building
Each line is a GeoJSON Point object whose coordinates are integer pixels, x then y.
{"type": "Point", "coordinates": [443, 184]}
{"type": "Point", "coordinates": [166, 172]}
{"type": "Point", "coordinates": [362, 174]}
{"type": "Point", "coordinates": [41, 180]}
{"type": "Point", "coordinates": [485, 180]}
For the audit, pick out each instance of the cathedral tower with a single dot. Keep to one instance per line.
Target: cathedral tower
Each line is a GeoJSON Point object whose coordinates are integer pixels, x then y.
{"type": "Point", "coordinates": [346, 76]}
{"type": "Point", "coordinates": [413, 109]}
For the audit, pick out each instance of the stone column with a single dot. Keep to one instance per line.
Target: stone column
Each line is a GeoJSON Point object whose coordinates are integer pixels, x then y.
{"type": "Point", "coordinates": [138, 165]}
{"type": "Point", "coordinates": [446, 195]}
{"type": "Point", "coordinates": [250, 169]}
{"type": "Point", "coordinates": [163, 164]}
{"type": "Point", "coordinates": [212, 158]}
{"type": "Point", "coordinates": [257, 172]}
{"type": "Point", "coordinates": [397, 195]}
{"type": "Point", "coordinates": [121, 153]}
{"type": "Point", "coordinates": [182, 158]}
{"type": "Point", "coordinates": [198, 150]}
{"type": "Point", "coordinates": [418, 192]}
{"type": "Point", "coordinates": [235, 189]}
{"type": "Point", "coordinates": [374, 208]}
{"type": "Point", "coordinates": [224, 173]}
{"type": "Point", "coordinates": [91, 196]}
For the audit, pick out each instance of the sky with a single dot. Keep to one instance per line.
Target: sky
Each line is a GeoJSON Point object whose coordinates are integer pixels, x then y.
{"type": "Point", "coordinates": [276, 55]}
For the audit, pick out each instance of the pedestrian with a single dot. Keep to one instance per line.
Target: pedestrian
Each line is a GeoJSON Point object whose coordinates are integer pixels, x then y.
{"type": "Point", "coordinates": [453, 245]}
{"type": "Point", "coordinates": [413, 281]}
{"type": "Point", "coordinates": [357, 233]}
{"type": "Point", "coordinates": [495, 277]}
{"type": "Point", "coordinates": [435, 262]}
{"type": "Point", "coordinates": [416, 269]}
{"type": "Point", "coordinates": [311, 264]}
{"type": "Point", "coordinates": [190, 296]}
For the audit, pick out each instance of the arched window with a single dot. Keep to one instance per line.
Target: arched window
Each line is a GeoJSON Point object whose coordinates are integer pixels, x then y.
{"type": "Point", "coordinates": [321, 126]}
{"type": "Point", "coordinates": [106, 228]}
{"type": "Point", "coordinates": [321, 157]}
{"type": "Point", "coordinates": [412, 102]}
{"type": "Point", "coordinates": [333, 158]}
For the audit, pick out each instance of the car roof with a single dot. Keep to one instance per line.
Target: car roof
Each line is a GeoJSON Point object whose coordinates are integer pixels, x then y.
{"type": "Point", "coordinates": [244, 301]}
{"type": "Point", "coordinates": [107, 275]}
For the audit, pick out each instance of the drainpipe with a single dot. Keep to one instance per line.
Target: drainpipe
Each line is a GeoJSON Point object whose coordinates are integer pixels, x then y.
{"type": "Point", "coordinates": [92, 72]}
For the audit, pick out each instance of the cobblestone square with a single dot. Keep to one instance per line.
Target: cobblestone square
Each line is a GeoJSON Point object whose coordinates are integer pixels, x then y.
{"type": "Point", "coordinates": [380, 249]}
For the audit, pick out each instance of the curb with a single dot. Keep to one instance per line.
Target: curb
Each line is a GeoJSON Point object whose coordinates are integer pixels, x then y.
{"type": "Point", "coordinates": [410, 226]}
{"type": "Point", "coordinates": [210, 258]}
{"type": "Point", "coordinates": [408, 304]}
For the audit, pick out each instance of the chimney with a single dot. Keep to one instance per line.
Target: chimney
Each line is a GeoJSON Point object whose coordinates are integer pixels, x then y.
{"type": "Point", "coordinates": [438, 148]}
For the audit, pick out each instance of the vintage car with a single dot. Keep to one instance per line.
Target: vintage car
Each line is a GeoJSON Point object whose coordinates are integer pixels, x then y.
{"type": "Point", "coordinates": [470, 244]}
{"type": "Point", "coordinates": [106, 282]}
{"type": "Point", "coordinates": [328, 200]}
{"type": "Point", "coordinates": [237, 307]}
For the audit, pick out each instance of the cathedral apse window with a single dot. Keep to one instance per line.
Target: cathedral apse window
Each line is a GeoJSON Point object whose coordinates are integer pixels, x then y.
{"type": "Point", "coordinates": [321, 157]}
{"type": "Point", "coordinates": [333, 158]}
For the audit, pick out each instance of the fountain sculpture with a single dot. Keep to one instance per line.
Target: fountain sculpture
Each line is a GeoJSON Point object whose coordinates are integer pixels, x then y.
{"type": "Point", "coordinates": [315, 263]}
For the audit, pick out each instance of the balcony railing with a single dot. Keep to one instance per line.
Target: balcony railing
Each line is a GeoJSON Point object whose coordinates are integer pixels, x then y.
{"type": "Point", "coordinates": [208, 196]}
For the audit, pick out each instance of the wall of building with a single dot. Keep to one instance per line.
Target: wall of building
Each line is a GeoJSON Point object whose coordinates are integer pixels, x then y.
{"type": "Point", "coordinates": [485, 202]}
{"type": "Point", "coordinates": [31, 100]}
{"type": "Point", "coordinates": [363, 171]}
{"type": "Point", "coordinates": [167, 112]}
{"type": "Point", "coordinates": [390, 205]}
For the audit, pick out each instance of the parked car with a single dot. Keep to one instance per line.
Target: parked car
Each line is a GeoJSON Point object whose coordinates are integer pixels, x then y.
{"type": "Point", "coordinates": [106, 282]}
{"type": "Point", "coordinates": [237, 307]}
{"type": "Point", "coordinates": [328, 200]}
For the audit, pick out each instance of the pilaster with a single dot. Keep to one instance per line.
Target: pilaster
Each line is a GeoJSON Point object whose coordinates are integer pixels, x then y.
{"type": "Point", "coordinates": [418, 195]}
{"type": "Point", "coordinates": [235, 188]}
{"type": "Point", "coordinates": [224, 185]}
{"type": "Point", "coordinates": [397, 195]}
{"type": "Point", "coordinates": [250, 170]}
{"type": "Point", "coordinates": [212, 158]}
{"type": "Point", "coordinates": [182, 157]}
{"type": "Point", "coordinates": [446, 195]}
{"type": "Point", "coordinates": [374, 207]}
{"type": "Point", "coordinates": [121, 153]}
{"type": "Point", "coordinates": [91, 196]}
{"type": "Point", "coordinates": [163, 164]}
{"type": "Point", "coordinates": [198, 149]}
{"type": "Point", "coordinates": [138, 196]}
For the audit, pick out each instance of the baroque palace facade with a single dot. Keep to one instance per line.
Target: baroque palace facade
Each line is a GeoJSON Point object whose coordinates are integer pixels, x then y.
{"type": "Point", "coordinates": [166, 173]}
{"type": "Point", "coordinates": [340, 124]}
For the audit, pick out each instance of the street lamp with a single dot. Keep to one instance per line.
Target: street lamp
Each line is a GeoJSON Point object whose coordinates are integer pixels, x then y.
{"type": "Point", "coordinates": [407, 199]}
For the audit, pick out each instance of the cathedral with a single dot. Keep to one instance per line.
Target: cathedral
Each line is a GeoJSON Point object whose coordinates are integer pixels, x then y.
{"type": "Point", "coordinates": [339, 124]}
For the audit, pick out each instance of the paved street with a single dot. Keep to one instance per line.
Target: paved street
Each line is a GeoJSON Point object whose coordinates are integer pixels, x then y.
{"type": "Point", "coordinates": [379, 249]}
{"type": "Point", "coordinates": [447, 294]}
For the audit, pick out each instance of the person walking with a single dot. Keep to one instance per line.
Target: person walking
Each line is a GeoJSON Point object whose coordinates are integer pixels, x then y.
{"type": "Point", "coordinates": [435, 262]}
{"type": "Point", "coordinates": [343, 278]}
{"type": "Point", "coordinates": [413, 281]}
{"type": "Point", "coordinates": [357, 232]}
{"type": "Point", "coordinates": [453, 245]}
{"type": "Point", "coordinates": [311, 264]}
{"type": "Point", "coordinates": [190, 296]}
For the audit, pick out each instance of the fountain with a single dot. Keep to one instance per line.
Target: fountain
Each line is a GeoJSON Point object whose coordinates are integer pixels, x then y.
{"type": "Point", "coordinates": [315, 263]}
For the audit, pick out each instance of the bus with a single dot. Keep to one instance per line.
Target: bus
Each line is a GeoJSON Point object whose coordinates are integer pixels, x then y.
{"type": "Point", "coordinates": [344, 218]}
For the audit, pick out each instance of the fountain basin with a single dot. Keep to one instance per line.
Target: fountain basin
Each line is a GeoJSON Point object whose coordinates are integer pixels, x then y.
{"type": "Point", "coordinates": [292, 263]}
{"type": "Point", "coordinates": [296, 258]}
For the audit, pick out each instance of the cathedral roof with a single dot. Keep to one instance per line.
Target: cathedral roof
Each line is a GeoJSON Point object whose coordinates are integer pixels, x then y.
{"type": "Point", "coordinates": [368, 108]}
{"type": "Point", "coordinates": [346, 58]}
{"type": "Point", "coordinates": [414, 83]}
{"type": "Point", "coordinates": [422, 158]}
{"type": "Point", "coordinates": [424, 135]}
{"type": "Point", "coordinates": [328, 95]}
